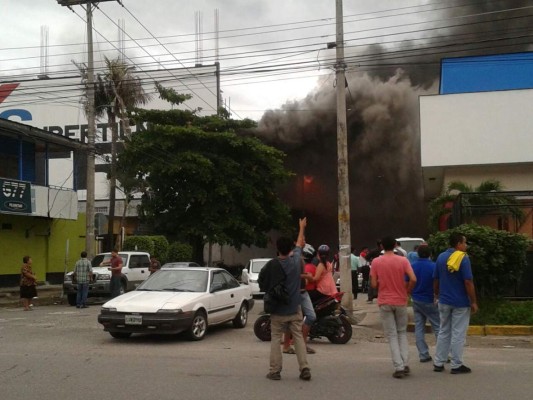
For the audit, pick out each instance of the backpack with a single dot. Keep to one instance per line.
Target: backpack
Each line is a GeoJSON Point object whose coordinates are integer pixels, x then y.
{"type": "Point", "coordinates": [272, 281]}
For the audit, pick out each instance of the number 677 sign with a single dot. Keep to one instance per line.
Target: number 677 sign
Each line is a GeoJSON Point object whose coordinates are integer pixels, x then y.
{"type": "Point", "coordinates": [15, 196]}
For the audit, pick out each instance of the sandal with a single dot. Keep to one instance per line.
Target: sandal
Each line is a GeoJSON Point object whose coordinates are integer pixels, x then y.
{"type": "Point", "coordinates": [290, 350]}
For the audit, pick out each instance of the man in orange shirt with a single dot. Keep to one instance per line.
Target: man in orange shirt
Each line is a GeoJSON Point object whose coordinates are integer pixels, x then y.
{"type": "Point", "coordinates": [388, 275]}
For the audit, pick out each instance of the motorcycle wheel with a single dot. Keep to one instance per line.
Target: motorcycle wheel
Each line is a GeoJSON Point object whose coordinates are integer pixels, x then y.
{"type": "Point", "coordinates": [262, 328]}
{"type": "Point", "coordinates": [344, 333]}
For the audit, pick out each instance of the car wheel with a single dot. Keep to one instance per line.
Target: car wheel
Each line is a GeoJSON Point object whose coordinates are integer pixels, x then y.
{"type": "Point", "coordinates": [122, 288]}
{"type": "Point", "coordinates": [198, 327]}
{"type": "Point", "coordinates": [344, 333]}
{"type": "Point", "coordinates": [71, 299]}
{"type": "Point", "coordinates": [241, 318]}
{"type": "Point", "coordinates": [262, 328]}
{"type": "Point", "coordinates": [120, 335]}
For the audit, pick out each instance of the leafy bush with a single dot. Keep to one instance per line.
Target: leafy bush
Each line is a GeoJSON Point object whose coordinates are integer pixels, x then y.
{"type": "Point", "coordinates": [179, 252]}
{"type": "Point", "coordinates": [503, 312]}
{"type": "Point", "coordinates": [498, 257]}
{"type": "Point", "coordinates": [160, 248]}
{"type": "Point", "coordinates": [138, 243]}
{"type": "Point", "coordinates": [156, 245]}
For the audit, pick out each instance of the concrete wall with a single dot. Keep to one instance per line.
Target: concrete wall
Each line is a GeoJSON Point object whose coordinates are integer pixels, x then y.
{"type": "Point", "coordinates": [45, 240]}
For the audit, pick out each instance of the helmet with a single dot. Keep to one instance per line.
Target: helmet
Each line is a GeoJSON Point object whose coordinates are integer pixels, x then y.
{"type": "Point", "coordinates": [308, 251]}
{"type": "Point", "coordinates": [323, 249]}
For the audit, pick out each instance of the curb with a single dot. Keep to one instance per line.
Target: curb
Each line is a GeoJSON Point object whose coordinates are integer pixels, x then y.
{"type": "Point", "coordinates": [46, 295]}
{"type": "Point", "coordinates": [488, 330]}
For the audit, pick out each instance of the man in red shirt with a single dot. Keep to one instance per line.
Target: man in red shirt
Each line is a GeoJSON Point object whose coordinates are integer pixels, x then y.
{"type": "Point", "coordinates": [116, 273]}
{"type": "Point", "coordinates": [388, 275]}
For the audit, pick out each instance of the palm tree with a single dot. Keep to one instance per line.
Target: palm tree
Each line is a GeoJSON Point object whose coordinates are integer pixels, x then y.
{"type": "Point", "coordinates": [475, 201]}
{"type": "Point", "coordinates": [117, 91]}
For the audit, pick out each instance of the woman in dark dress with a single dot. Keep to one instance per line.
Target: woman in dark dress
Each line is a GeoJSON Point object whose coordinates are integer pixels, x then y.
{"type": "Point", "coordinates": [28, 282]}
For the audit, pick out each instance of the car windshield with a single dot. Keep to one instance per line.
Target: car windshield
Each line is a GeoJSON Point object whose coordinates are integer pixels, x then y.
{"type": "Point", "coordinates": [178, 280]}
{"type": "Point", "coordinates": [257, 266]}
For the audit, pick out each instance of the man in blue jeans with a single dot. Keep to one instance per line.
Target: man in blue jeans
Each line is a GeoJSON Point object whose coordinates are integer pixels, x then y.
{"type": "Point", "coordinates": [453, 284]}
{"type": "Point", "coordinates": [84, 273]}
{"type": "Point", "coordinates": [424, 306]}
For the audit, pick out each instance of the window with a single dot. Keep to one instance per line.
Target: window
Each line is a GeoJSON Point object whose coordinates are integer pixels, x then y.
{"type": "Point", "coordinates": [230, 280]}
{"type": "Point", "coordinates": [139, 261]}
{"type": "Point", "coordinates": [219, 282]}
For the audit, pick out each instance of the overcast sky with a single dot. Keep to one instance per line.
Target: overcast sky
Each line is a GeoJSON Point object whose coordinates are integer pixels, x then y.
{"type": "Point", "coordinates": [270, 51]}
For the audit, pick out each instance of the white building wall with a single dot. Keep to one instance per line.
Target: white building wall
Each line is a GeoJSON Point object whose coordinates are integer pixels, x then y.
{"type": "Point", "coordinates": [477, 128]}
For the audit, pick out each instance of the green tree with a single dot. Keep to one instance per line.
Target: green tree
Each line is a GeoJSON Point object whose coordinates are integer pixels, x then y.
{"type": "Point", "coordinates": [480, 200]}
{"type": "Point", "coordinates": [206, 183]}
{"type": "Point", "coordinates": [117, 91]}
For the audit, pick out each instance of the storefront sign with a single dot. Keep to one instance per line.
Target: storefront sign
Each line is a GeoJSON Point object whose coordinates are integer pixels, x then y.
{"type": "Point", "coordinates": [15, 196]}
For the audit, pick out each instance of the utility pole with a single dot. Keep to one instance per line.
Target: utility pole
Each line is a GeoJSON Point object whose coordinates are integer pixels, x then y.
{"type": "Point", "coordinates": [342, 167]}
{"type": "Point", "coordinates": [91, 133]}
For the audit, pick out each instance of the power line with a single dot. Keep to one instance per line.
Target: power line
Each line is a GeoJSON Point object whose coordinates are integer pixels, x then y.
{"type": "Point", "coordinates": [363, 31]}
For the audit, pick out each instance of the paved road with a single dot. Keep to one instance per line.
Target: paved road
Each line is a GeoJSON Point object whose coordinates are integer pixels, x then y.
{"type": "Point", "coordinates": [59, 352]}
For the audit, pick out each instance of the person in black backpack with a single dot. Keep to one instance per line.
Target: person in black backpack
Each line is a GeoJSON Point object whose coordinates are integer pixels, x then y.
{"type": "Point", "coordinates": [284, 273]}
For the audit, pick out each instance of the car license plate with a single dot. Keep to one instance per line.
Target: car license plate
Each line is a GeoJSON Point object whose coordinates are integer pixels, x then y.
{"type": "Point", "coordinates": [133, 319]}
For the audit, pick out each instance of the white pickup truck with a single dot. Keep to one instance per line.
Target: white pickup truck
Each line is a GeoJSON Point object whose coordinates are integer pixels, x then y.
{"type": "Point", "coordinates": [135, 269]}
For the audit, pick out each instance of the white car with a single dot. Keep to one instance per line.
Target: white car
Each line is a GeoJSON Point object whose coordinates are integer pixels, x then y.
{"type": "Point", "coordinates": [178, 300]}
{"type": "Point", "coordinates": [254, 266]}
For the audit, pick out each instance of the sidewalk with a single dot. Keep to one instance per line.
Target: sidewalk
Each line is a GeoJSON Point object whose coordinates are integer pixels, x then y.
{"type": "Point", "coordinates": [372, 320]}
{"type": "Point", "coordinates": [46, 295]}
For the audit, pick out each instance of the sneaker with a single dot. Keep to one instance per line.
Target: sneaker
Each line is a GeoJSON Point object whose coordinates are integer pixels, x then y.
{"type": "Point", "coordinates": [463, 369]}
{"type": "Point", "coordinates": [406, 370]}
{"type": "Point", "coordinates": [425, 360]}
{"type": "Point", "coordinates": [437, 368]}
{"type": "Point", "coordinates": [398, 374]}
{"type": "Point", "coordinates": [275, 376]}
{"type": "Point", "coordinates": [310, 350]}
{"type": "Point", "coordinates": [305, 374]}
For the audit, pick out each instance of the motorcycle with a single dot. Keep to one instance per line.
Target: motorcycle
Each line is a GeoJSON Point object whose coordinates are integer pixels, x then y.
{"type": "Point", "coordinates": [331, 322]}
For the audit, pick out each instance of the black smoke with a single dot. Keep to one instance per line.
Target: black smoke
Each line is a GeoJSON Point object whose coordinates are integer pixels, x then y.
{"type": "Point", "coordinates": [386, 188]}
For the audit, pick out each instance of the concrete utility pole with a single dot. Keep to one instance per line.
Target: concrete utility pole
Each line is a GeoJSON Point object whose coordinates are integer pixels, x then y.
{"type": "Point", "coordinates": [91, 134]}
{"type": "Point", "coordinates": [342, 168]}
{"type": "Point", "coordinates": [91, 129]}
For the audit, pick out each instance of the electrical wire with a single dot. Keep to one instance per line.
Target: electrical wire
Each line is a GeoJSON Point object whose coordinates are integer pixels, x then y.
{"type": "Point", "coordinates": [384, 35]}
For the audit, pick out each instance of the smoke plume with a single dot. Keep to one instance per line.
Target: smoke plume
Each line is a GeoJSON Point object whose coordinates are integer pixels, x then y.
{"type": "Point", "coordinates": [386, 188]}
